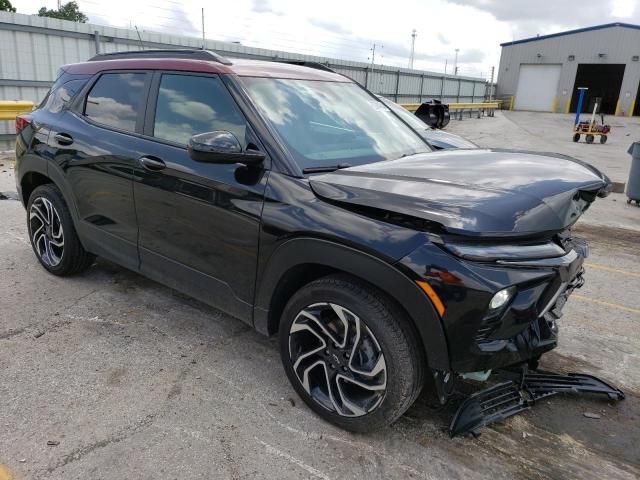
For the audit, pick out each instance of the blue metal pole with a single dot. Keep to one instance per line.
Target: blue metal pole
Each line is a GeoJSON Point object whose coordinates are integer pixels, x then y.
{"type": "Point", "coordinates": [579, 109]}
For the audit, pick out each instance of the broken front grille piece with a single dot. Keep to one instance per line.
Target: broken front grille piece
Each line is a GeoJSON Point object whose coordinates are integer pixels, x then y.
{"type": "Point", "coordinates": [506, 399]}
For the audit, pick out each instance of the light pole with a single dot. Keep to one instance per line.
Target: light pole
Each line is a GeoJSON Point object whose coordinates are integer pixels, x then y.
{"type": "Point", "coordinates": [455, 63]}
{"type": "Point", "coordinates": [413, 47]}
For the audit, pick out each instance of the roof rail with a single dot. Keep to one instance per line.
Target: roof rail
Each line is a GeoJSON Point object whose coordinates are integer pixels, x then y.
{"type": "Point", "coordinates": [306, 63]}
{"type": "Point", "coordinates": [168, 53]}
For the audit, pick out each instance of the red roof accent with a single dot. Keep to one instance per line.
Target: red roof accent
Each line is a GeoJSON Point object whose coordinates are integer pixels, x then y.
{"type": "Point", "coordinates": [241, 67]}
{"type": "Point", "coordinates": [180, 64]}
{"type": "Point", "coordinates": [262, 68]}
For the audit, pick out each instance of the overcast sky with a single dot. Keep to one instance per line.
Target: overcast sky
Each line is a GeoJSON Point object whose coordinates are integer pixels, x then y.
{"type": "Point", "coordinates": [348, 28]}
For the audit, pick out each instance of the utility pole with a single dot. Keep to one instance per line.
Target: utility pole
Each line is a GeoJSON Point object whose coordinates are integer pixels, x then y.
{"type": "Point", "coordinates": [455, 63]}
{"type": "Point", "coordinates": [373, 59]}
{"type": "Point", "coordinates": [444, 79]}
{"type": "Point", "coordinates": [373, 55]}
{"type": "Point", "coordinates": [203, 28]}
{"type": "Point", "coordinates": [413, 47]}
{"type": "Point", "coordinates": [491, 84]}
{"type": "Point", "coordinates": [59, 4]}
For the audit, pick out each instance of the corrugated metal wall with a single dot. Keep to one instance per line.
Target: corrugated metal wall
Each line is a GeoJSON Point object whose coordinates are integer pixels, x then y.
{"type": "Point", "coordinates": [32, 49]}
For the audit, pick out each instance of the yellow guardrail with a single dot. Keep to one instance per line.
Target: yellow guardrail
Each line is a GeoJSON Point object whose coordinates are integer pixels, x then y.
{"type": "Point", "coordinates": [10, 109]}
{"type": "Point", "coordinates": [412, 107]}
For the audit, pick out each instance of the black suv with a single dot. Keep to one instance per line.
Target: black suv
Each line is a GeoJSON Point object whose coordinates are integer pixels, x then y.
{"type": "Point", "coordinates": [293, 199]}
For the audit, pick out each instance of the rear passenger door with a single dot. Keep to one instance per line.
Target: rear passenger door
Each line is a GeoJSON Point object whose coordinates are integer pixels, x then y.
{"type": "Point", "coordinates": [198, 222]}
{"type": "Point", "coordinates": [97, 143]}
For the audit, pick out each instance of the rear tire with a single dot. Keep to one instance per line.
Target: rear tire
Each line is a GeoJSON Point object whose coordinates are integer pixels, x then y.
{"type": "Point", "coordinates": [589, 138]}
{"type": "Point", "coordinates": [351, 353]}
{"type": "Point", "coordinates": [603, 139]}
{"type": "Point", "coordinates": [52, 234]}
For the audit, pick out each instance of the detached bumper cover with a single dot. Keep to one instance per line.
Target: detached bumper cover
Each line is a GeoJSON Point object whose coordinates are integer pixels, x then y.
{"type": "Point", "coordinates": [509, 398]}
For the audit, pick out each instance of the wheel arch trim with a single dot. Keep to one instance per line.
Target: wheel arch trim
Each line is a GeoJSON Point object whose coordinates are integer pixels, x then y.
{"type": "Point", "coordinates": [34, 164]}
{"type": "Point", "coordinates": [25, 166]}
{"type": "Point", "coordinates": [371, 269]}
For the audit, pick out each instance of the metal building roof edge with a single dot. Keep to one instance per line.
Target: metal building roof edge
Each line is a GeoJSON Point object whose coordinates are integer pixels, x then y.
{"type": "Point", "coordinates": [571, 32]}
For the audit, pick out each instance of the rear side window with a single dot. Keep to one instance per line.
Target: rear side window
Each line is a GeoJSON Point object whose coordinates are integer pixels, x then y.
{"type": "Point", "coordinates": [115, 100]}
{"type": "Point", "coordinates": [188, 105]}
{"type": "Point", "coordinates": [59, 97]}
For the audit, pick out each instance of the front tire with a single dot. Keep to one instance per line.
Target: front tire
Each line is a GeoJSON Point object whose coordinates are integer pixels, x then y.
{"type": "Point", "coordinates": [351, 353]}
{"type": "Point", "coordinates": [52, 234]}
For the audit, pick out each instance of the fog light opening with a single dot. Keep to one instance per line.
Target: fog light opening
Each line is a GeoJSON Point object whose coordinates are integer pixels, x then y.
{"type": "Point", "coordinates": [501, 298]}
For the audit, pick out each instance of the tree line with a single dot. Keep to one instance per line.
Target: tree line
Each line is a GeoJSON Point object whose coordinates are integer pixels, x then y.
{"type": "Point", "coordinates": [68, 11]}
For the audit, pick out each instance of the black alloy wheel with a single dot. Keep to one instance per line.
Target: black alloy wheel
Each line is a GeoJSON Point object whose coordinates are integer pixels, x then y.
{"type": "Point", "coordinates": [52, 233]}
{"type": "Point", "coordinates": [351, 353]}
{"type": "Point", "coordinates": [46, 233]}
{"type": "Point", "coordinates": [337, 359]}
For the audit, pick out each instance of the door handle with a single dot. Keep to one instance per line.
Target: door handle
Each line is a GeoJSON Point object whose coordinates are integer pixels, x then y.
{"type": "Point", "coordinates": [63, 138]}
{"type": "Point", "coordinates": [152, 163]}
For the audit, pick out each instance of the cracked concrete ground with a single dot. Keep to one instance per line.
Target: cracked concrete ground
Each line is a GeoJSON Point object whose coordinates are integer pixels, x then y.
{"type": "Point", "coordinates": [130, 379]}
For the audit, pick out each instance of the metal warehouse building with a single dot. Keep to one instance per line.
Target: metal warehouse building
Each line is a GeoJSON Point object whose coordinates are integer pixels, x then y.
{"type": "Point", "coordinates": [543, 73]}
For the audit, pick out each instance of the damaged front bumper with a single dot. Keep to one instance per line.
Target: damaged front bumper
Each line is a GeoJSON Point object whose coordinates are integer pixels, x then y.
{"type": "Point", "coordinates": [509, 398]}
{"type": "Point", "coordinates": [503, 338]}
{"type": "Point", "coordinates": [480, 338]}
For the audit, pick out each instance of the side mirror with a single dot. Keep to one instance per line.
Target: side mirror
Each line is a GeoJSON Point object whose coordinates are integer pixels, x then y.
{"type": "Point", "coordinates": [221, 147]}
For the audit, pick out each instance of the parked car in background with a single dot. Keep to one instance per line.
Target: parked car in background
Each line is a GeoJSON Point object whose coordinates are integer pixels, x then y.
{"type": "Point", "coordinates": [437, 138]}
{"type": "Point", "coordinates": [293, 199]}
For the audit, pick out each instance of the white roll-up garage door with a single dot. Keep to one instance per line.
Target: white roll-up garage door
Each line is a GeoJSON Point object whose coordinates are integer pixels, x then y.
{"type": "Point", "coordinates": [537, 87]}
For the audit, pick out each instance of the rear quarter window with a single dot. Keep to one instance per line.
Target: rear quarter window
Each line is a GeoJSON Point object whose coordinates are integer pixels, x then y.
{"type": "Point", "coordinates": [60, 96]}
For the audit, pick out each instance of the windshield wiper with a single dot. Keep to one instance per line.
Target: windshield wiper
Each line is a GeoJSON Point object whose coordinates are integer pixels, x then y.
{"type": "Point", "coordinates": [326, 168]}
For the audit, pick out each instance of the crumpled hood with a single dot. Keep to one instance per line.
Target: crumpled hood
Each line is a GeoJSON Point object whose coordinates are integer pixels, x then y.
{"type": "Point", "coordinates": [484, 192]}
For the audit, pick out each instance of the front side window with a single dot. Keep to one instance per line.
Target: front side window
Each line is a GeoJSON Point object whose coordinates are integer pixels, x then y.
{"type": "Point", "coordinates": [115, 100]}
{"type": "Point", "coordinates": [327, 123]}
{"type": "Point", "coordinates": [188, 105]}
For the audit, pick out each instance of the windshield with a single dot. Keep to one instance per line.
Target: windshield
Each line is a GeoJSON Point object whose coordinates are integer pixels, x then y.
{"type": "Point", "coordinates": [332, 123]}
{"type": "Point", "coordinates": [405, 114]}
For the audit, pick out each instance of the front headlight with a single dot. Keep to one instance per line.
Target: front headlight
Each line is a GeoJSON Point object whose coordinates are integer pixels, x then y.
{"type": "Point", "coordinates": [490, 253]}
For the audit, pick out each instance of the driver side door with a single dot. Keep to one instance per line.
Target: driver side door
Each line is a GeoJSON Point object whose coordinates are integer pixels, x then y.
{"type": "Point", "coordinates": [198, 222]}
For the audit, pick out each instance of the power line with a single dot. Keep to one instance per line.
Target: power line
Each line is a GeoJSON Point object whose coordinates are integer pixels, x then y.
{"type": "Point", "coordinates": [232, 21]}
{"type": "Point", "coordinates": [274, 40]}
{"type": "Point", "coordinates": [236, 27]}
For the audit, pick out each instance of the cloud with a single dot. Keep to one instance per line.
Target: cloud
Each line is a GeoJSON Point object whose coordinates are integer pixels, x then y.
{"type": "Point", "coordinates": [110, 112]}
{"type": "Point", "coordinates": [264, 6]}
{"type": "Point", "coordinates": [329, 25]}
{"type": "Point", "coordinates": [558, 11]}
{"type": "Point", "coordinates": [444, 40]}
{"type": "Point", "coordinates": [528, 18]}
{"type": "Point", "coordinates": [179, 21]}
{"type": "Point", "coordinates": [473, 55]}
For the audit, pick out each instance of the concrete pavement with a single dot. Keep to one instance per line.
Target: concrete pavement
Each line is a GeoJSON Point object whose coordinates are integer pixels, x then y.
{"type": "Point", "coordinates": [110, 375]}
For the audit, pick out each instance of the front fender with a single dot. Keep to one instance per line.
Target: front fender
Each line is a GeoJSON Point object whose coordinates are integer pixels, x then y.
{"type": "Point", "coordinates": [300, 251]}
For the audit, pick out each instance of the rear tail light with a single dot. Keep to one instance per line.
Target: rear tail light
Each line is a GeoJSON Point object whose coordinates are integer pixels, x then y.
{"type": "Point", "coordinates": [22, 121]}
